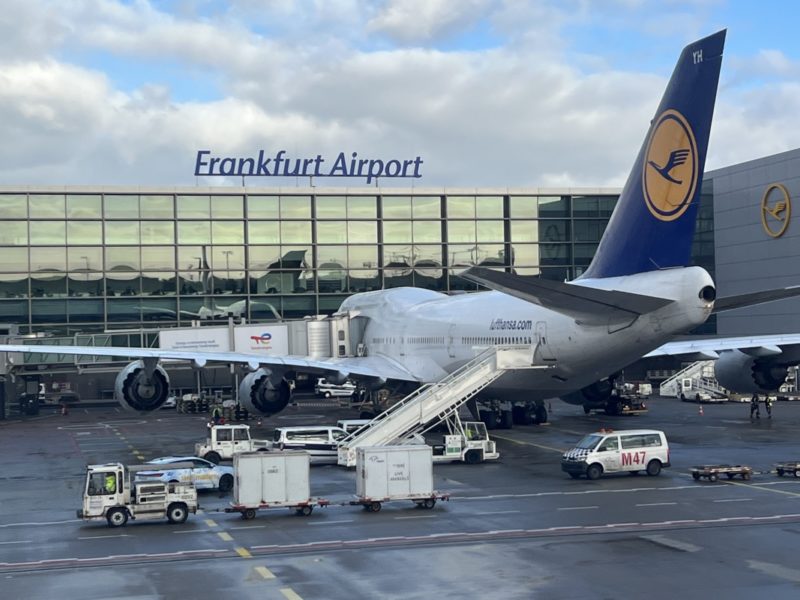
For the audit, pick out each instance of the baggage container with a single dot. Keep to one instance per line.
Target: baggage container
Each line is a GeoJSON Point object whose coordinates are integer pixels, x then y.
{"type": "Point", "coordinates": [271, 479]}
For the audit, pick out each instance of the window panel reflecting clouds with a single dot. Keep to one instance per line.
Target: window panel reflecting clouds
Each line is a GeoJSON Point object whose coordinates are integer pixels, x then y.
{"type": "Point", "coordinates": [84, 259]}
{"type": "Point", "coordinates": [263, 207]}
{"type": "Point", "coordinates": [489, 207]}
{"type": "Point", "coordinates": [396, 207]}
{"type": "Point", "coordinates": [122, 259]}
{"type": "Point", "coordinates": [13, 206]}
{"type": "Point", "coordinates": [227, 207]}
{"type": "Point", "coordinates": [194, 232]}
{"type": "Point", "coordinates": [13, 260]}
{"type": "Point", "coordinates": [48, 259]}
{"type": "Point", "coordinates": [427, 232]}
{"type": "Point", "coordinates": [84, 207]}
{"type": "Point", "coordinates": [263, 232]}
{"type": "Point", "coordinates": [296, 232]}
{"type": "Point", "coordinates": [332, 232]}
{"type": "Point", "coordinates": [157, 207]}
{"type": "Point", "coordinates": [46, 206]}
{"type": "Point", "coordinates": [227, 232]}
{"type": "Point", "coordinates": [426, 207]}
{"type": "Point", "coordinates": [295, 207]}
{"type": "Point", "coordinates": [193, 207]}
{"type": "Point", "coordinates": [395, 232]}
{"type": "Point", "coordinates": [49, 233]}
{"type": "Point", "coordinates": [158, 232]}
{"type": "Point", "coordinates": [362, 207]}
{"type": "Point", "coordinates": [14, 233]}
{"type": "Point", "coordinates": [158, 258]}
{"type": "Point", "coordinates": [122, 232]}
{"type": "Point", "coordinates": [461, 207]}
{"type": "Point", "coordinates": [121, 207]}
{"type": "Point", "coordinates": [84, 232]}
{"type": "Point", "coordinates": [331, 207]}
{"type": "Point", "coordinates": [362, 232]}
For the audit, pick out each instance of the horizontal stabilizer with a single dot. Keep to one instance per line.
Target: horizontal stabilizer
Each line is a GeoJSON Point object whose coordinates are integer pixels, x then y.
{"type": "Point", "coordinates": [754, 298]}
{"type": "Point", "coordinates": [583, 303]}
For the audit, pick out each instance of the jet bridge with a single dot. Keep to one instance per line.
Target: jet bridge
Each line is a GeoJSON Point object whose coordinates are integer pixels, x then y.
{"type": "Point", "coordinates": [434, 402]}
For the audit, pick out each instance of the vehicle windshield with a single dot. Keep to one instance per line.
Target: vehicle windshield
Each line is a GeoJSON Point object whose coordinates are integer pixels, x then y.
{"type": "Point", "coordinates": [589, 442]}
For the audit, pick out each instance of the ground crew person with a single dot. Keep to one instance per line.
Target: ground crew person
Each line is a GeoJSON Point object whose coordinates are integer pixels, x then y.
{"type": "Point", "coordinates": [768, 406]}
{"type": "Point", "coordinates": [111, 483]}
{"type": "Point", "coordinates": [216, 415]}
{"type": "Point", "coordinates": [754, 408]}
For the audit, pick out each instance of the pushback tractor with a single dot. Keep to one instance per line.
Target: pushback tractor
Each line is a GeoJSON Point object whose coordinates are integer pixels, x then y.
{"type": "Point", "coordinates": [111, 493]}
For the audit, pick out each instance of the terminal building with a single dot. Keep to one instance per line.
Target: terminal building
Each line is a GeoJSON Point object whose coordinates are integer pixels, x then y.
{"type": "Point", "coordinates": [85, 260]}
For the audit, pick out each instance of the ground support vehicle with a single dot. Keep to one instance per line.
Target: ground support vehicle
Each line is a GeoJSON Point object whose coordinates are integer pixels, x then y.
{"type": "Point", "coordinates": [330, 390]}
{"type": "Point", "coordinates": [225, 441]}
{"type": "Point", "coordinates": [609, 451]}
{"type": "Point", "coordinates": [466, 441]}
{"type": "Point", "coordinates": [111, 493]}
{"type": "Point", "coordinates": [389, 473]}
{"type": "Point", "coordinates": [622, 405]}
{"type": "Point", "coordinates": [713, 472]}
{"type": "Point", "coordinates": [788, 468]}
{"type": "Point", "coordinates": [272, 480]}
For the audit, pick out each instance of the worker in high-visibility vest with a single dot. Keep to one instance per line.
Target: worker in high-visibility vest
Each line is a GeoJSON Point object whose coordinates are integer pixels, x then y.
{"type": "Point", "coordinates": [111, 483]}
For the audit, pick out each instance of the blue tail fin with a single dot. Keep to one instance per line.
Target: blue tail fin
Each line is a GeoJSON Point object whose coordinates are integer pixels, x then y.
{"type": "Point", "coordinates": [654, 220]}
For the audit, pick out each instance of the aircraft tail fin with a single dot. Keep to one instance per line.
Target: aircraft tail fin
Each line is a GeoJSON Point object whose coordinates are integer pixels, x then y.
{"type": "Point", "coordinates": [653, 223]}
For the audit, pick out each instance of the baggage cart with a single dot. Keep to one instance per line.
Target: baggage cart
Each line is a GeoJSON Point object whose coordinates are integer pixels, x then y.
{"type": "Point", "coordinates": [713, 472]}
{"type": "Point", "coordinates": [788, 468]}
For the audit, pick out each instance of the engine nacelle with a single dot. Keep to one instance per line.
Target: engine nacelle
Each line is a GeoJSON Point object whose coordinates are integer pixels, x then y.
{"type": "Point", "coordinates": [135, 391]}
{"type": "Point", "coordinates": [595, 395]}
{"type": "Point", "coordinates": [258, 392]}
{"type": "Point", "coordinates": [740, 372]}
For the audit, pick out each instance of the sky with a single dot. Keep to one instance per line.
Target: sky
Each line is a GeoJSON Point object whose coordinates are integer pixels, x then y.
{"type": "Point", "coordinates": [503, 93]}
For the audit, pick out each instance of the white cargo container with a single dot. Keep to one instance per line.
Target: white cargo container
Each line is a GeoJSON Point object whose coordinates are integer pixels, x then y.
{"type": "Point", "coordinates": [385, 473]}
{"type": "Point", "coordinates": [272, 480]}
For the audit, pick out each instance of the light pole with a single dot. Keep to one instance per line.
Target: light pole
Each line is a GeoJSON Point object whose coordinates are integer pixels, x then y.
{"type": "Point", "coordinates": [227, 254]}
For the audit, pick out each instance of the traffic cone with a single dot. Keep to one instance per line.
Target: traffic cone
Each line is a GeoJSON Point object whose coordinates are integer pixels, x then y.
{"type": "Point", "coordinates": [700, 410]}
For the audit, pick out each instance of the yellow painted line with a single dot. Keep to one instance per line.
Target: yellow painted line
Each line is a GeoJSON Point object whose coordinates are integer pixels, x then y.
{"type": "Point", "coordinates": [751, 486]}
{"type": "Point", "coordinates": [245, 554]}
{"type": "Point", "coordinates": [225, 536]}
{"type": "Point", "coordinates": [264, 572]}
{"type": "Point", "coordinates": [521, 443]}
{"type": "Point", "coordinates": [211, 523]}
{"type": "Point", "coordinates": [290, 594]}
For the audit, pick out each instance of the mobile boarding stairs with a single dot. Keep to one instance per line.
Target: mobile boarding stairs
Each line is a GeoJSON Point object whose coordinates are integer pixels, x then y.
{"type": "Point", "coordinates": [434, 402]}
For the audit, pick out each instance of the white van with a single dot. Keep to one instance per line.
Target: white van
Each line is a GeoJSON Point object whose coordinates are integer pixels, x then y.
{"type": "Point", "coordinates": [328, 390]}
{"type": "Point", "coordinates": [610, 451]}
{"type": "Point", "coordinates": [351, 425]}
{"type": "Point", "coordinates": [321, 442]}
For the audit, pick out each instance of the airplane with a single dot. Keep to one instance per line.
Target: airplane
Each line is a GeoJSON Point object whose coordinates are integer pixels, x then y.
{"type": "Point", "coordinates": [636, 295]}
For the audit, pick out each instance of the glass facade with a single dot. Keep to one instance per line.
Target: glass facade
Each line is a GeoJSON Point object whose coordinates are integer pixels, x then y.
{"type": "Point", "coordinates": [94, 261]}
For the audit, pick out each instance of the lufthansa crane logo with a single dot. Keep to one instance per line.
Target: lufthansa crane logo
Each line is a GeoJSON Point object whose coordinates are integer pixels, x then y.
{"type": "Point", "coordinates": [670, 169]}
{"type": "Point", "coordinates": [776, 210]}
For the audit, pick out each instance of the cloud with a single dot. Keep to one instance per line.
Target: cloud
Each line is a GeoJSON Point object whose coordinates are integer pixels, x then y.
{"type": "Point", "coordinates": [527, 111]}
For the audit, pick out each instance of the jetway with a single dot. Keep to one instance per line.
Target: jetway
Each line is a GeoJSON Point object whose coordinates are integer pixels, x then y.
{"type": "Point", "coordinates": [434, 402]}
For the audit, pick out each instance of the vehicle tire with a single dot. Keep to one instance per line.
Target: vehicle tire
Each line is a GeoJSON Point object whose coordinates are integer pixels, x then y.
{"type": "Point", "coordinates": [248, 514]}
{"type": "Point", "coordinates": [429, 503]}
{"type": "Point", "coordinates": [117, 517]}
{"type": "Point", "coordinates": [375, 507]}
{"type": "Point", "coordinates": [696, 476]}
{"type": "Point", "coordinates": [575, 475]}
{"type": "Point", "coordinates": [797, 473]}
{"type": "Point", "coordinates": [654, 467]}
{"type": "Point", "coordinates": [780, 472]}
{"type": "Point", "coordinates": [594, 471]}
{"type": "Point", "coordinates": [729, 475]}
{"type": "Point", "coordinates": [174, 481]}
{"type": "Point", "coordinates": [177, 512]}
{"type": "Point", "coordinates": [304, 511]}
{"type": "Point", "coordinates": [697, 397]}
{"type": "Point", "coordinates": [587, 409]}
{"type": "Point", "coordinates": [746, 476]}
{"type": "Point", "coordinates": [506, 419]}
{"type": "Point", "coordinates": [713, 477]}
{"type": "Point", "coordinates": [472, 457]}
{"type": "Point", "coordinates": [540, 414]}
{"type": "Point", "coordinates": [326, 395]}
{"type": "Point", "coordinates": [683, 397]}
{"type": "Point", "coordinates": [213, 457]}
{"type": "Point", "coordinates": [226, 483]}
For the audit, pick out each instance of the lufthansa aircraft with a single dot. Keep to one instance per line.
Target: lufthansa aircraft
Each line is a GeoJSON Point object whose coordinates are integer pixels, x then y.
{"type": "Point", "coordinates": [636, 295]}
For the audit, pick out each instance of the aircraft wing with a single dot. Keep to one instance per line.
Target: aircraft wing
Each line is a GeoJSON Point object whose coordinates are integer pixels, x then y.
{"type": "Point", "coordinates": [583, 303]}
{"type": "Point", "coordinates": [709, 349]}
{"type": "Point", "coordinates": [377, 367]}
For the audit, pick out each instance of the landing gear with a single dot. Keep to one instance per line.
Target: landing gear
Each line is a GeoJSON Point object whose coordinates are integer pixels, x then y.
{"type": "Point", "coordinates": [540, 414]}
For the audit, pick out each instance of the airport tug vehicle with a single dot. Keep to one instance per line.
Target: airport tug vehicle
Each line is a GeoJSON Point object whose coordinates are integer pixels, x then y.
{"type": "Point", "coordinates": [111, 493]}
{"type": "Point", "coordinates": [225, 441]}
{"type": "Point", "coordinates": [788, 468]}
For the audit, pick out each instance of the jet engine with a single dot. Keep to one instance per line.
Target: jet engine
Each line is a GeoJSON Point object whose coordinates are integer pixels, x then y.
{"type": "Point", "coordinates": [743, 373]}
{"type": "Point", "coordinates": [595, 395]}
{"type": "Point", "coordinates": [263, 392]}
{"type": "Point", "coordinates": [136, 390]}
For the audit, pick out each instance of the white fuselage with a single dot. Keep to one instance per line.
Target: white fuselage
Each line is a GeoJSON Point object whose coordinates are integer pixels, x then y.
{"type": "Point", "coordinates": [431, 334]}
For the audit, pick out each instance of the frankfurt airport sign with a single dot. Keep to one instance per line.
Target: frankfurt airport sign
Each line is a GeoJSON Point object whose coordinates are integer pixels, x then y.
{"type": "Point", "coordinates": [279, 165]}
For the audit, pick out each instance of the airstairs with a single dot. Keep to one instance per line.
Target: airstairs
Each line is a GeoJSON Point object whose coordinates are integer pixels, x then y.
{"type": "Point", "coordinates": [434, 402]}
{"type": "Point", "coordinates": [697, 377]}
